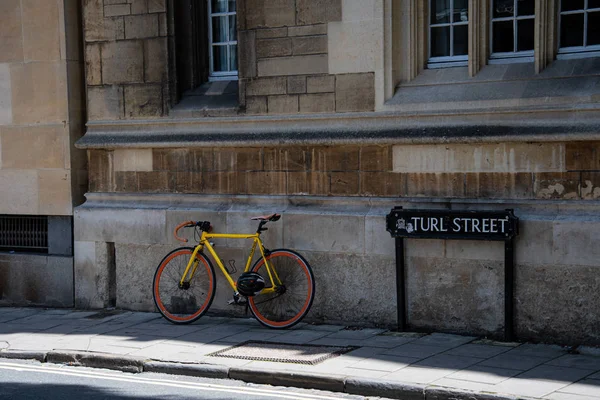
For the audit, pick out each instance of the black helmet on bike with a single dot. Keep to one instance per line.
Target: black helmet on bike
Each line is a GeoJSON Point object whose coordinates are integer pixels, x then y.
{"type": "Point", "coordinates": [250, 284]}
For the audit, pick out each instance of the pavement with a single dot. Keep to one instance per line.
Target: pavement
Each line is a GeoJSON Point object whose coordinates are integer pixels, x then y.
{"type": "Point", "coordinates": [387, 364]}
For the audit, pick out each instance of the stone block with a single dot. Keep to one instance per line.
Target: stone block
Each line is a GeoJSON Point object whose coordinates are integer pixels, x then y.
{"type": "Point", "coordinates": [60, 235]}
{"type": "Point", "coordinates": [382, 184]}
{"type": "Point", "coordinates": [266, 86]}
{"type": "Point", "coordinates": [156, 181]}
{"type": "Point", "coordinates": [93, 64]}
{"type": "Point", "coordinates": [355, 92]}
{"type": "Point", "coordinates": [266, 182]}
{"type": "Point", "coordinates": [132, 160]}
{"type": "Point", "coordinates": [90, 278]}
{"type": "Point", "coordinates": [286, 159]}
{"type": "Point", "coordinates": [34, 147]}
{"type": "Point", "coordinates": [377, 240]}
{"type": "Point", "coordinates": [308, 182]}
{"type": "Point", "coordinates": [343, 233]}
{"type": "Point", "coordinates": [105, 103]}
{"type": "Point", "coordinates": [499, 185]}
{"type": "Point", "coordinates": [247, 49]}
{"type": "Point", "coordinates": [309, 45]}
{"type": "Point", "coordinates": [582, 156]}
{"type": "Point", "coordinates": [117, 10]}
{"type": "Point", "coordinates": [157, 6]}
{"type": "Point", "coordinates": [317, 103]}
{"type": "Point", "coordinates": [143, 101]}
{"type": "Point", "coordinates": [54, 192]}
{"type": "Point", "coordinates": [271, 33]}
{"type": "Point", "coordinates": [223, 182]}
{"type": "Point", "coordinates": [98, 28]}
{"type": "Point", "coordinates": [307, 30]}
{"type": "Point", "coordinates": [126, 182]}
{"type": "Point", "coordinates": [287, 104]}
{"type": "Point", "coordinates": [475, 250]}
{"type": "Point", "coordinates": [256, 105]}
{"type": "Point", "coordinates": [296, 84]}
{"type": "Point", "coordinates": [163, 25]}
{"type": "Point", "coordinates": [435, 185]}
{"type": "Point", "coordinates": [535, 239]}
{"type": "Point", "coordinates": [557, 185]}
{"type": "Point", "coordinates": [41, 30]}
{"type": "Point", "coordinates": [120, 225]}
{"type": "Point", "coordinates": [22, 198]}
{"type": "Point", "coordinates": [311, 12]}
{"type": "Point", "coordinates": [155, 60]}
{"type": "Point", "coordinates": [375, 158]}
{"type": "Point", "coordinates": [355, 47]}
{"type": "Point", "coordinates": [122, 62]}
{"type": "Point", "coordinates": [141, 26]}
{"type": "Point", "coordinates": [270, 13]}
{"type": "Point", "coordinates": [344, 183]}
{"type": "Point", "coordinates": [320, 84]}
{"type": "Point", "coordinates": [11, 31]}
{"type": "Point", "coordinates": [273, 47]}
{"type": "Point", "coordinates": [575, 240]}
{"type": "Point", "coordinates": [238, 159]}
{"type": "Point", "coordinates": [139, 6]}
{"type": "Point", "coordinates": [456, 295]}
{"type": "Point", "coordinates": [590, 185]}
{"type": "Point", "coordinates": [101, 178]}
{"type": "Point", "coordinates": [48, 84]}
{"type": "Point", "coordinates": [183, 159]}
{"type": "Point", "coordinates": [341, 158]}
{"type": "Point", "coordinates": [5, 95]}
{"type": "Point", "coordinates": [295, 65]}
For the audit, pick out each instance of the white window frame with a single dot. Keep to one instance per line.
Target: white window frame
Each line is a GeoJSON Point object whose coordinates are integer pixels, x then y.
{"type": "Point", "coordinates": [510, 57]}
{"type": "Point", "coordinates": [446, 61]}
{"type": "Point", "coordinates": [577, 51]}
{"type": "Point", "coordinates": [219, 75]}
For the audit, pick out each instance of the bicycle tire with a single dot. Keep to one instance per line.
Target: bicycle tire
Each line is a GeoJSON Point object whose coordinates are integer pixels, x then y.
{"type": "Point", "coordinates": [178, 305]}
{"type": "Point", "coordinates": [284, 310]}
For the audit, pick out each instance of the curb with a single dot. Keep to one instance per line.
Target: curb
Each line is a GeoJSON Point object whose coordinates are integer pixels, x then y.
{"type": "Point", "coordinates": [334, 383]}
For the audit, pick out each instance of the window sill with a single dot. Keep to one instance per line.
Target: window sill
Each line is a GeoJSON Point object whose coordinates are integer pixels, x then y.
{"type": "Point", "coordinates": [211, 99]}
{"type": "Point", "coordinates": [505, 85]}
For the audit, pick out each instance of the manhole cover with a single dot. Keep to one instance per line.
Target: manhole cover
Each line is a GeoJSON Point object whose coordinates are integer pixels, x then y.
{"type": "Point", "coordinates": [280, 352]}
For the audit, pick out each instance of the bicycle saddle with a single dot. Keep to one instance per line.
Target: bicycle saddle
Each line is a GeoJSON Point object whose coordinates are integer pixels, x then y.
{"type": "Point", "coordinates": [272, 217]}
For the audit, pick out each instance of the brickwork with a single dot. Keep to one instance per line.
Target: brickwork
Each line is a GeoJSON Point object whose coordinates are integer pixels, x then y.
{"type": "Point", "coordinates": [126, 58]}
{"type": "Point", "coordinates": [326, 171]}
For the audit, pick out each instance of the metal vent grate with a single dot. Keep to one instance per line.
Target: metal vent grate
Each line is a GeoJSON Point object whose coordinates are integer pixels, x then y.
{"type": "Point", "coordinates": [24, 233]}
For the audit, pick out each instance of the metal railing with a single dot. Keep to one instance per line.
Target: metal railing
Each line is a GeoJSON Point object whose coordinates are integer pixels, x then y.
{"type": "Point", "coordinates": [24, 233]}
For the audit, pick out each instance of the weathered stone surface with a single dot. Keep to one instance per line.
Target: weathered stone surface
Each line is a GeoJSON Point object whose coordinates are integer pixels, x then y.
{"type": "Point", "coordinates": [590, 185]}
{"type": "Point", "coordinates": [557, 185]}
{"type": "Point", "coordinates": [90, 278]}
{"type": "Point", "coordinates": [5, 95]}
{"type": "Point", "coordinates": [43, 145]}
{"type": "Point", "coordinates": [308, 182]}
{"type": "Point", "coordinates": [126, 181]}
{"type": "Point", "coordinates": [382, 184]}
{"type": "Point", "coordinates": [141, 26]}
{"type": "Point", "coordinates": [296, 84]}
{"type": "Point", "coordinates": [344, 183]}
{"type": "Point", "coordinates": [355, 46]}
{"type": "Point", "coordinates": [49, 83]}
{"type": "Point", "coordinates": [155, 60]}
{"type": "Point", "coordinates": [139, 6]}
{"type": "Point", "coordinates": [266, 182]}
{"type": "Point", "coordinates": [375, 158]}
{"type": "Point", "coordinates": [336, 234]}
{"type": "Point", "coordinates": [320, 84]}
{"type": "Point", "coordinates": [582, 156]}
{"type": "Point", "coordinates": [238, 159]}
{"type": "Point", "coordinates": [271, 33]}
{"type": "Point", "coordinates": [11, 31]}
{"type": "Point", "coordinates": [355, 92]}
{"type": "Point", "coordinates": [318, 11]}
{"type": "Point", "coordinates": [295, 65]}
{"type": "Point", "coordinates": [435, 185]}
{"type": "Point", "coordinates": [100, 171]}
{"type": "Point", "coordinates": [117, 10]}
{"type": "Point", "coordinates": [23, 196]}
{"type": "Point", "coordinates": [309, 45]}
{"type": "Point", "coordinates": [41, 30]}
{"type": "Point", "coordinates": [132, 160]}
{"type": "Point", "coordinates": [286, 159]}
{"type": "Point", "coordinates": [93, 64]}
{"type": "Point", "coordinates": [499, 185]}
{"type": "Point", "coordinates": [317, 103]}
{"type": "Point", "coordinates": [247, 49]}
{"type": "Point", "coordinates": [273, 47]}
{"type": "Point", "coordinates": [105, 103]}
{"type": "Point", "coordinates": [143, 101]}
{"type": "Point", "coordinates": [307, 30]}
{"type": "Point", "coordinates": [98, 28]}
{"type": "Point", "coordinates": [157, 6]}
{"type": "Point", "coordinates": [575, 240]}
{"type": "Point", "coordinates": [256, 105]}
{"type": "Point", "coordinates": [266, 86]}
{"type": "Point", "coordinates": [122, 62]}
{"type": "Point", "coordinates": [342, 158]}
{"type": "Point", "coordinates": [54, 193]}
{"type": "Point", "coordinates": [270, 13]}
{"type": "Point", "coordinates": [286, 104]}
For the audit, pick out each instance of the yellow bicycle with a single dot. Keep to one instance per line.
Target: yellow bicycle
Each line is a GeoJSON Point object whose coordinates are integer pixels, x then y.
{"type": "Point", "coordinates": [278, 288]}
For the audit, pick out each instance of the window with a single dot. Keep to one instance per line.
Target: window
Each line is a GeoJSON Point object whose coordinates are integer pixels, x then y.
{"type": "Point", "coordinates": [24, 233]}
{"type": "Point", "coordinates": [512, 31]}
{"type": "Point", "coordinates": [222, 39]}
{"type": "Point", "coordinates": [579, 28]}
{"type": "Point", "coordinates": [448, 33]}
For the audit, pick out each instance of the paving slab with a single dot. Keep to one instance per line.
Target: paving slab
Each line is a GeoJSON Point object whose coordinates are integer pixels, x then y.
{"type": "Point", "coordinates": [415, 350]}
{"type": "Point", "coordinates": [586, 387]}
{"type": "Point", "coordinates": [539, 350]}
{"type": "Point", "coordinates": [485, 375]}
{"type": "Point", "coordinates": [384, 363]}
{"type": "Point", "coordinates": [577, 361]}
{"type": "Point", "coordinates": [477, 350]}
{"type": "Point", "coordinates": [513, 361]}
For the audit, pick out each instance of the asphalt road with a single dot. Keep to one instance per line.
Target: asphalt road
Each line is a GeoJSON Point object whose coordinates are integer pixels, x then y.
{"type": "Point", "coordinates": [32, 380]}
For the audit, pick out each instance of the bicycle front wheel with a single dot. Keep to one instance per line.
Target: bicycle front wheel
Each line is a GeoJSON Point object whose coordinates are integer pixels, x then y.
{"type": "Point", "coordinates": [182, 304]}
{"type": "Point", "coordinates": [292, 299]}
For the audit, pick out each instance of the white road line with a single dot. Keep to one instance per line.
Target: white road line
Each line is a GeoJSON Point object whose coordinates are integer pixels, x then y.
{"type": "Point", "coordinates": [159, 382]}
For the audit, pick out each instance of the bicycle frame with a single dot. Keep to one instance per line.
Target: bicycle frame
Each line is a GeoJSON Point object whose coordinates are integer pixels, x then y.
{"type": "Point", "coordinates": [205, 242]}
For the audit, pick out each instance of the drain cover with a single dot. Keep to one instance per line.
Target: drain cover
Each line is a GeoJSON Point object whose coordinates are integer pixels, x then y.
{"type": "Point", "coordinates": [281, 352]}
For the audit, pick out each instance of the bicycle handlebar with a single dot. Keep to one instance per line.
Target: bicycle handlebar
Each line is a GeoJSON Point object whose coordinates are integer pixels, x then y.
{"type": "Point", "coordinates": [183, 225]}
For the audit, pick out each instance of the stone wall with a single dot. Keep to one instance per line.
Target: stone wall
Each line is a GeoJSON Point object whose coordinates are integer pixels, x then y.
{"type": "Point", "coordinates": [567, 171]}
{"type": "Point", "coordinates": [40, 108]}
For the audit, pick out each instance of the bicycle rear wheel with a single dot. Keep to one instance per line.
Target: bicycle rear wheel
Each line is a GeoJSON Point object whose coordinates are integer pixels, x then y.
{"type": "Point", "coordinates": [182, 305]}
{"type": "Point", "coordinates": [291, 302]}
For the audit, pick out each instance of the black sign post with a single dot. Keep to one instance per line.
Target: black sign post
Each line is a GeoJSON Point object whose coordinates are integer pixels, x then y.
{"type": "Point", "coordinates": [449, 224]}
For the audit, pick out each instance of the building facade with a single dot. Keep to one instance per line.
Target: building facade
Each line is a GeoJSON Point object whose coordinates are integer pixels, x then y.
{"type": "Point", "coordinates": [332, 112]}
{"type": "Point", "coordinates": [42, 175]}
